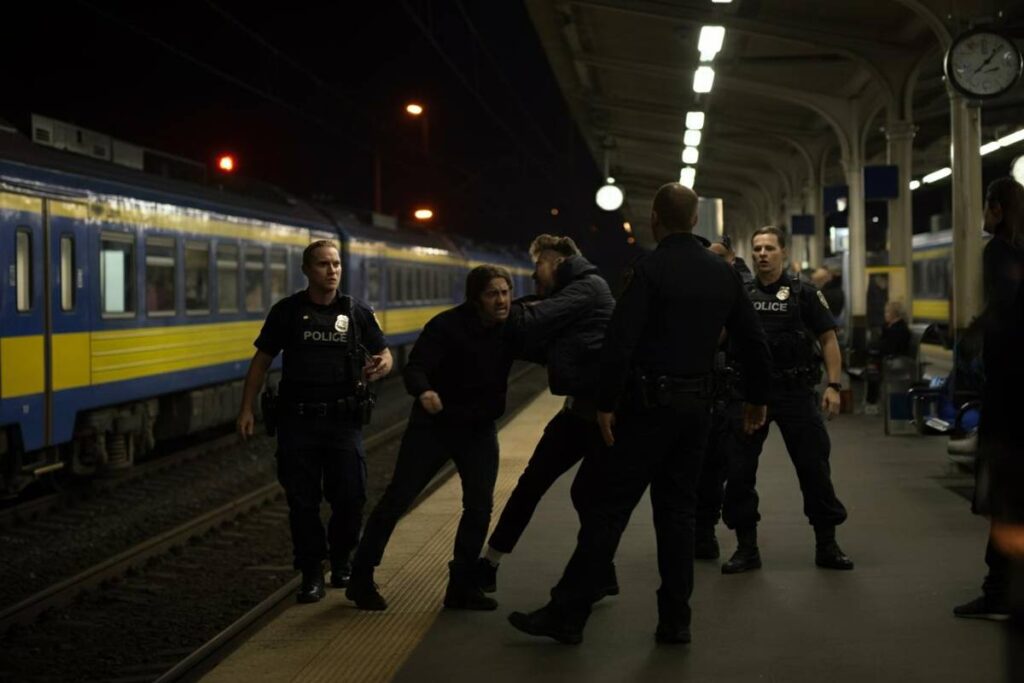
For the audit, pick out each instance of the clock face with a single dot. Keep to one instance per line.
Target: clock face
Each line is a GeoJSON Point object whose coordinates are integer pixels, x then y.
{"type": "Point", "coordinates": [983, 64]}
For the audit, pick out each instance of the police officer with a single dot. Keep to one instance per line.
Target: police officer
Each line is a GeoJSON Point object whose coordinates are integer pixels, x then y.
{"type": "Point", "coordinates": [653, 406]}
{"type": "Point", "coordinates": [332, 347]}
{"type": "Point", "coordinates": [726, 419]}
{"type": "Point", "coordinates": [458, 375]}
{"type": "Point", "coordinates": [795, 315]}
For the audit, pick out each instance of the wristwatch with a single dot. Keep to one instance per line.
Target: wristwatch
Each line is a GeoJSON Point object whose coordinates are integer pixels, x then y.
{"type": "Point", "coordinates": [835, 385]}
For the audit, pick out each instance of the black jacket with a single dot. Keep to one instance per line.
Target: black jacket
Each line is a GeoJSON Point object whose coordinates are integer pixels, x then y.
{"type": "Point", "coordinates": [466, 363]}
{"type": "Point", "coordinates": [670, 316]}
{"type": "Point", "coordinates": [565, 330]}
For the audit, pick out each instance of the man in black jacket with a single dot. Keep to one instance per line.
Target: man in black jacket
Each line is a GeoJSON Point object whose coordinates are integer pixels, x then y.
{"type": "Point", "coordinates": [564, 330]}
{"type": "Point", "coordinates": [655, 379]}
{"type": "Point", "coordinates": [458, 374]}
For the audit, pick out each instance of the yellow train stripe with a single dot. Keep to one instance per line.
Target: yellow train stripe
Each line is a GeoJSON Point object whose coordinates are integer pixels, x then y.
{"type": "Point", "coordinates": [931, 309]}
{"type": "Point", "coordinates": [928, 254]}
{"type": "Point", "coordinates": [404, 320]}
{"type": "Point", "coordinates": [512, 269]}
{"type": "Point", "coordinates": [20, 202]}
{"type": "Point", "coordinates": [421, 255]}
{"type": "Point", "coordinates": [21, 366]}
{"type": "Point", "coordinates": [70, 360]}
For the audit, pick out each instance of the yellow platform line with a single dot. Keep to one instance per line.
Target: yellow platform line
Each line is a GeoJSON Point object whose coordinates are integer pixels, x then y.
{"type": "Point", "coordinates": [332, 641]}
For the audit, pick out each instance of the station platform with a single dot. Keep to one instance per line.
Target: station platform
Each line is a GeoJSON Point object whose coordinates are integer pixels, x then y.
{"type": "Point", "coordinates": [917, 548]}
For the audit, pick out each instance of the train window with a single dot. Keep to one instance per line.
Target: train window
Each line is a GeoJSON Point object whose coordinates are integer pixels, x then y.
{"type": "Point", "coordinates": [394, 283]}
{"type": "Point", "coordinates": [117, 274]}
{"type": "Point", "coordinates": [409, 284]}
{"type": "Point", "coordinates": [197, 277]}
{"type": "Point", "coordinates": [372, 282]}
{"type": "Point", "coordinates": [23, 269]}
{"type": "Point", "coordinates": [67, 272]}
{"type": "Point", "coordinates": [278, 274]}
{"type": "Point", "coordinates": [227, 278]}
{"type": "Point", "coordinates": [254, 279]}
{"type": "Point", "coordinates": [160, 260]}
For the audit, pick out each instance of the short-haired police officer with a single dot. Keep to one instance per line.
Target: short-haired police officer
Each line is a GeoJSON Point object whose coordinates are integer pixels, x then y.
{"type": "Point", "coordinates": [655, 380]}
{"type": "Point", "coordinates": [795, 315]}
{"type": "Point", "coordinates": [332, 347]}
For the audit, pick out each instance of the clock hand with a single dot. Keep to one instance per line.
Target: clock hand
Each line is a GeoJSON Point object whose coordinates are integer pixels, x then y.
{"type": "Point", "coordinates": [985, 63]}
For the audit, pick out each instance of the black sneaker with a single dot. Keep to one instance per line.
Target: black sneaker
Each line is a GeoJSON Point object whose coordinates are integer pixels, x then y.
{"type": "Point", "coordinates": [543, 622]}
{"type": "Point", "coordinates": [983, 608]}
{"type": "Point", "coordinates": [672, 635]}
{"type": "Point", "coordinates": [705, 546]}
{"type": "Point", "coordinates": [312, 588]}
{"type": "Point", "coordinates": [470, 598]}
{"type": "Point", "coordinates": [363, 592]}
{"type": "Point", "coordinates": [486, 575]}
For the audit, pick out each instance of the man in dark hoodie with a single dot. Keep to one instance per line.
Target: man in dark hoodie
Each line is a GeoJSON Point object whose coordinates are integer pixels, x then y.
{"type": "Point", "coordinates": [458, 375]}
{"type": "Point", "coordinates": [563, 330]}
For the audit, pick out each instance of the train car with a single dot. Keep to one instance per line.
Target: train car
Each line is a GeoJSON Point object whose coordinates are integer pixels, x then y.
{"type": "Point", "coordinates": [933, 279]}
{"type": "Point", "coordinates": [130, 302]}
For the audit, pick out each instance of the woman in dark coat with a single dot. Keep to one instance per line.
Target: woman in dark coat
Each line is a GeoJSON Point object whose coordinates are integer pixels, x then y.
{"type": "Point", "coordinates": [1000, 487]}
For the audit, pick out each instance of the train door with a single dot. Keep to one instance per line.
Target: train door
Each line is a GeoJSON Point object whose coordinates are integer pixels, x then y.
{"type": "Point", "coordinates": [68, 309]}
{"type": "Point", "coordinates": [22, 331]}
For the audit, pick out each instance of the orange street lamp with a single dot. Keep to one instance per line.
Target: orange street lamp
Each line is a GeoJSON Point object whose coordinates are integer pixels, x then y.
{"type": "Point", "coordinates": [423, 214]}
{"type": "Point", "coordinates": [226, 163]}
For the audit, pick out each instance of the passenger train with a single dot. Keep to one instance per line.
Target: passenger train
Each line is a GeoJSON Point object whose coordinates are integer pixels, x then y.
{"type": "Point", "coordinates": [129, 302]}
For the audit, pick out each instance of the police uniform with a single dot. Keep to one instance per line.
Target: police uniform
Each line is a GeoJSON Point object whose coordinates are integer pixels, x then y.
{"type": "Point", "coordinates": [656, 375]}
{"type": "Point", "coordinates": [794, 314]}
{"type": "Point", "coordinates": [321, 409]}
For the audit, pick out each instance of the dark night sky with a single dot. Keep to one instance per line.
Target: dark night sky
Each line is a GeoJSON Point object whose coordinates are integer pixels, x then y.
{"type": "Point", "coordinates": [305, 94]}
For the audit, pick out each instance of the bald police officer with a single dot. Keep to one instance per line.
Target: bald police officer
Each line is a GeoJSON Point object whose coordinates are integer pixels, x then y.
{"type": "Point", "coordinates": [332, 347]}
{"type": "Point", "coordinates": [654, 402]}
{"type": "Point", "coordinates": [795, 316]}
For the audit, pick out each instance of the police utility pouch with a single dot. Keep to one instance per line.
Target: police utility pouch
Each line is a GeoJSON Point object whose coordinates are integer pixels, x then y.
{"type": "Point", "coordinates": [268, 407]}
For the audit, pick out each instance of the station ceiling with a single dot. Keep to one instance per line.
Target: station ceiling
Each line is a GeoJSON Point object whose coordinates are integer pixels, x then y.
{"type": "Point", "coordinates": [789, 72]}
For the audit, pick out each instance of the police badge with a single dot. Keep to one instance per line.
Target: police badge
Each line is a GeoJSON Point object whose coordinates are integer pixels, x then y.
{"type": "Point", "coordinates": [341, 323]}
{"type": "Point", "coordinates": [782, 294]}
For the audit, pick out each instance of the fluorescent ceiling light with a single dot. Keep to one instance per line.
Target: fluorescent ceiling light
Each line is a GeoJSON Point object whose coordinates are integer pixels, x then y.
{"type": "Point", "coordinates": [687, 176]}
{"type": "Point", "coordinates": [914, 184]}
{"type": "Point", "coordinates": [990, 147]}
{"type": "Point", "coordinates": [691, 138]}
{"type": "Point", "coordinates": [937, 175]}
{"type": "Point", "coordinates": [1012, 138]}
{"type": "Point", "coordinates": [710, 42]}
{"type": "Point", "coordinates": [721, 2]}
{"type": "Point", "coordinates": [690, 155]}
{"type": "Point", "coordinates": [694, 120]}
{"type": "Point", "coordinates": [703, 79]}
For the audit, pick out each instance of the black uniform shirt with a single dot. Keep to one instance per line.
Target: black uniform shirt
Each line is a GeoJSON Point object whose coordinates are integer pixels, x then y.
{"type": "Point", "coordinates": [670, 316]}
{"type": "Point", "coordinates": [279, 329]}
{"type": "Point", "coordinates": [814, 310]}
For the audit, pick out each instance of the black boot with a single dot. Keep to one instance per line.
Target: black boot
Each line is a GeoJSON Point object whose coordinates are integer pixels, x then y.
{"type": "Point", "coordinates": [464, 591]}
{"type": "Point", "coordinates": [551, 622]}
{"type": "Point", "coordinates": [363, 591]}
{"type": "Point", "coordinates": [747, 555]}
{"type": "Point", "coordinates": [312, 588]}
{"type": "Point", "coordinates": [828, 554]}
{"type": "Point", "coordinates": [486, 575]}
{"type": "Point", "coordinates": [705, 546]}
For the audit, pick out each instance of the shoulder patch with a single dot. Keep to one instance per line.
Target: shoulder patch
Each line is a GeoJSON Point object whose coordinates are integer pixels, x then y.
{"type": "Point", "coordinates": [821, 298]}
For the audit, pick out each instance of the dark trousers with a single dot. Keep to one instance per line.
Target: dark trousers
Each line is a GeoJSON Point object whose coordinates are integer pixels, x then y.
{"type": "Point", "coordinates": [425, 448]}
{"type": "Point", "coordinates": [567, 439]}
{"type": "Point", "coordinates": [322, 458]}
{"type": "Point", "coordinates": [799, 419]}
{"type": "Point", "coordinates": [661, 448]}
{"type": "Point", "coordinates": [726, 420]}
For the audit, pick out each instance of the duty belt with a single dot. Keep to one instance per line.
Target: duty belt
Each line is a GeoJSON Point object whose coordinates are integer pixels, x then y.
{"type": "Point", "coordinates": [342, 406]}
{"type": "Point", "coordinates": [678, 392]}
{"type": "Point", "coordinates": [799, 377]}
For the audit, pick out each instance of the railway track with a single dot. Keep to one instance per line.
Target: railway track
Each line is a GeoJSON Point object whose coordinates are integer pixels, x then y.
{"type": "Point", "coordinates": [172, 558]}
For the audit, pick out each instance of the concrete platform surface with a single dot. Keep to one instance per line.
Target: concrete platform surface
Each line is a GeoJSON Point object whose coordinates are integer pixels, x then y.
{"type": "Point", "coordinates": [917, 548]}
